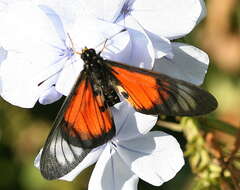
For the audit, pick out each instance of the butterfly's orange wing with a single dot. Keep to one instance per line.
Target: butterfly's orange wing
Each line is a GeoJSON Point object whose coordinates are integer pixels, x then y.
{"type": "Point", "coordinates": [87, 118]}
{"type": "Point", "coordinates": [83, 122]}
{"type": "Point", "coordinates": [154, 93]}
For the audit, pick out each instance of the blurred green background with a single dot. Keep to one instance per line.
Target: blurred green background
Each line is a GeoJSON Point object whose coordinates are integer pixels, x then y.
{"type": "Point", "coordinates": [23, 132]}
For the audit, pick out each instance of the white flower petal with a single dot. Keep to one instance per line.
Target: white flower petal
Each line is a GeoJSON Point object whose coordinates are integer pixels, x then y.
{"type": "Point", "coordinates": [142, 54]}
{"type": "Point", "coordinates": [68, 12]}
{"type": "Point", "coordinates": [14, 81]}
{"type": "Point", "coordinates": [40, 37]}
{"type": "Point", "coordinates": [90, 159]}
{"type": "Point", "coordinates": [0, 84]}
{"type": "Point", "coordinates": [155, 157]}
{"type": "Point", "coordinates": [189, 63]}
{"type": "Point", "coordinates": [19, 87]}
{"type": "Point", "coordinates": [130, 123]}
{"type": "Point", "coordinates": [56, 21]}
{"type": "Point", "coordinates": [3, 54]}
{"type": "Point", "coordinates": [37, 159]}
{"type": "Point", "coordinates": [107, 10]}
{"type": "Point", "coordinates": [49, 96]}
{"type": "Point", "coordinates": [22, 83]}
{"type": "Point", "coordinates": [5, 3]}
{"type": "Point", "coordinates": [92, 33]}
{"type": "Point", "coordinates": [203, 12]}
{"type": "Point", "coordinates": [169, 18]}
{"type": "Point", "coordinates": [69, 75]}
{"type": "Point", "coordinates": [161, 45]}
{"type": "Point", "coordinates": [117, 48]}
{"type": "Point", "coordinates": [34, 53]}
{"type": "Point", "coordinates": [111, 173]}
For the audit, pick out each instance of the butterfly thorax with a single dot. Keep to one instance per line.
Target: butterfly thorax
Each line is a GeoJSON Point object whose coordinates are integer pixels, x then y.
{"type": "Point", "coordinates": [99, 76]}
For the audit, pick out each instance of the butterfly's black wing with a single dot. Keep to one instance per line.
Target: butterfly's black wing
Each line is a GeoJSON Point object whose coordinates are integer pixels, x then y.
{"type": "Point", "coordinates": [83, 122]}
{"type": "Point", "coordinates": [154, 93]}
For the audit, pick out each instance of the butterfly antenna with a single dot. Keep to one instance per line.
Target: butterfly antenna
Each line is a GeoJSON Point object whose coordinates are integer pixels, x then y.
{"type": "Point", "coordinates": [104, 45]}
{"type": "Point", "coordinates": [72, 44]}
{"type": "Point", "coordinates": [105, 42]}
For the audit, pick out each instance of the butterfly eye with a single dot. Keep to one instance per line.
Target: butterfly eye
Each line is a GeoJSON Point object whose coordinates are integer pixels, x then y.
{"type": "Point", "coordinates": [92, 51]}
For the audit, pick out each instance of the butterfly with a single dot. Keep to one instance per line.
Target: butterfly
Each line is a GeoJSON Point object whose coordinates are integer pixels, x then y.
{"type": "Point", "coordinates": [85, 120]}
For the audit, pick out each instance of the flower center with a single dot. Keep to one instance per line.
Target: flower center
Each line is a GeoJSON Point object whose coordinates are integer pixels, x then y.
{"type": "Point", "coordinates": [127, 8]}
{"type": "Point", "coordinates": [114, 143]}
{"type": "Point", "coordinates": [67, 52]}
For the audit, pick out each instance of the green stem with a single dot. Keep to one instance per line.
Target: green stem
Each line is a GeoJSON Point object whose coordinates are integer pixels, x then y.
{"type": "Point", "coordinates": [214, 124]}
{"type": "Point", "coordinates": [170, 125]}
{"type": "Point", "coordinates": [205, 123]}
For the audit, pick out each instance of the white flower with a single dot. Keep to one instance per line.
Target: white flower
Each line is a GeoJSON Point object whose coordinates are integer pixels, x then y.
{"type": "Point", "coordinates": [133, 153]}
{"type": "Point", "coordinates": [152, 24]}
{"type": "Point", "coordinates": [39, 63]}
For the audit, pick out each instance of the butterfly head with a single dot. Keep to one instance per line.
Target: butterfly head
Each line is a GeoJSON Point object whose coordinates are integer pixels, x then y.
{"type": "Point", "coordinates": [88, 55]}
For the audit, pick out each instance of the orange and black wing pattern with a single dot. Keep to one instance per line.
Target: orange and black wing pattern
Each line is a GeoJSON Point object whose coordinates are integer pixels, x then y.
{"type": "Point", "coordinates": [85, 119]}
{"type": "Point", "coordinates": [83, 122]}
{"type": "Point", "coordinates": [154, 93]}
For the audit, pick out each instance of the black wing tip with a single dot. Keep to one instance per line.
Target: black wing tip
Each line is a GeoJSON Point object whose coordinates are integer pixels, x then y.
{"type": "Point", "coordinates": [51, 169]}
{"type": "Point", "coordinates": [53, 173]}
{"type": "Point", "coordinates": [207, 105]}
{"type": "Point", "coordinates": [48, 168]}
{"type": "Point", "coordinates": [49, 177]}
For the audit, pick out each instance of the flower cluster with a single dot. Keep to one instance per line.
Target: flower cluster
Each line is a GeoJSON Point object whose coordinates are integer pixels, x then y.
{"type": "Point", "coordinates": [37, 64]}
